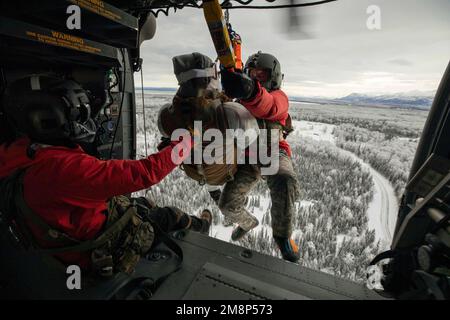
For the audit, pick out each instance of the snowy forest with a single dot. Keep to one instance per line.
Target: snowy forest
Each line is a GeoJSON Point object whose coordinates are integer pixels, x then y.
{"type": "Point", "coordinates": [386, 138]}
{"type": "Point", "coordinates": [331, 224]}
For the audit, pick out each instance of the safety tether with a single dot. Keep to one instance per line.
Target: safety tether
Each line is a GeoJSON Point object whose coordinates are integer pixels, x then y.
{"type": "Point", "coordinates": [236, 42]}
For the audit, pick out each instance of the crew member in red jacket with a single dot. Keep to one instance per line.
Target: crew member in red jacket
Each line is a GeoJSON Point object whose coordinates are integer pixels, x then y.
{"type": "Point", "coordinates": [62, 184]}
{"type": "Point", "coordinates": [258, 89]}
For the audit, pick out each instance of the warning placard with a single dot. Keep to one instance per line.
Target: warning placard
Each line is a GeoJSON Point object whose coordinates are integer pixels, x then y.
{"type": "Point", "coordinates": [106, 10]}
{"type": "Point", "coordinates": [55, 38]}
{"type": "Point", "coordinates": [63, 40]}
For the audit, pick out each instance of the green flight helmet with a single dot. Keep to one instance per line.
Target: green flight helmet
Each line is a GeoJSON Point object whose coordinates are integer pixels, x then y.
{"type": "Point", "coordinates": [271, 64]}
{"type": "Point", "coordinates": [50, 110]}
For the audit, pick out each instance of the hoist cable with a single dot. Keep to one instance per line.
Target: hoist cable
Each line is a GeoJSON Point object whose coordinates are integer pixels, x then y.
{"type": "Point", "coordinates": [143, 111]}
{"type": "Point", "coordinates": [121, 103]}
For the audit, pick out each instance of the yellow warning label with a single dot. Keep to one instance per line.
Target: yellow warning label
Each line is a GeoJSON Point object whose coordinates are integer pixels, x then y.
{"type": "Point", "coordinates": [97, 7]}
{"type": "Point", "coordinates": [60, 39]}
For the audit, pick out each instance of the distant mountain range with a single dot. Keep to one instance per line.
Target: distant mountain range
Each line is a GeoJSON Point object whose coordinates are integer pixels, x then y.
{"type": "Point", "coordinates": [168, 89]}
{"type": "Point", "coordinates": [411, 99]}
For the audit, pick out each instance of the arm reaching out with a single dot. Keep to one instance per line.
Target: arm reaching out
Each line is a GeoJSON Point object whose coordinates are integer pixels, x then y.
{"type": "Point", "coordinates": [271, 106]}
{"type": "Point", "coordinates": [92, 179]}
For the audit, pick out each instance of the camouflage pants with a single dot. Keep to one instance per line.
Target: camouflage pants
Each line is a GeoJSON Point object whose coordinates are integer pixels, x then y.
{"type": "Point", "coordinates": [234, 193]}
{"type": "Point", "coordinates": [169, 218]}
{"type": "Point", "coordinates": [284, 191]}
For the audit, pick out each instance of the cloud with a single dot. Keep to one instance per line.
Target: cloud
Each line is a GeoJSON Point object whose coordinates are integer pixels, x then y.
{"type": "Point", "coordinates": [401, 62]}
{"type": "Point", "coordinates": [409, 52]}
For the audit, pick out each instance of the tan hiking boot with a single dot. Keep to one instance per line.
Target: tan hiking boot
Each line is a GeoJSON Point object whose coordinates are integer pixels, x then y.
{"type": "Point", "coordinates": [239, 232]}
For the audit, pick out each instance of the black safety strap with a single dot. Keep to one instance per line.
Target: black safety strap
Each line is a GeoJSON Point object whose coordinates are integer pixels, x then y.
{"type": "Point", "coordinates": [384, 255]}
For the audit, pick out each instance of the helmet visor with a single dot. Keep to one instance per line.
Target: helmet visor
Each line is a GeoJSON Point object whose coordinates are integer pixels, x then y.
{"type": "Point", "coordinates": [262, 75]}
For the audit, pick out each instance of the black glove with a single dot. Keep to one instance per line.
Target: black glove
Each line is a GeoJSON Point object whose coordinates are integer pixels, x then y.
{"type": "Point", "coordinates": [237, 85]}
{"type": "Point", "coordinates": [164, 143]}
{"type": "Point", "coordinates": [215, 195]}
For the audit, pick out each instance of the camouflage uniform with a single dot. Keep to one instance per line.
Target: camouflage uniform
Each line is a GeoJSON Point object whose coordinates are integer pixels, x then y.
{"type": "Point", "coordinates": [284, 191]}
{"type": "Point", "coordinates": [139, 234]}
{"type": "Point", "coordinates": [234, 193]}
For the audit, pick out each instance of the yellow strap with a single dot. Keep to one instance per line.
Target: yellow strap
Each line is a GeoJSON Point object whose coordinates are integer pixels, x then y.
{"type": "Point", "coordinates": [219, 32]}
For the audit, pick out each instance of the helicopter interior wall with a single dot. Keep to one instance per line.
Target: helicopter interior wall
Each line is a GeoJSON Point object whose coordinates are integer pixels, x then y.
{"type": "Point", "coordinates": [435, 139]}
{"type": "Point", "coordinates": [93, 77]}
{"type": "Point", "coordinates": [435, 136]}
{"type": "Point", "coordinates": [94, 25]}
{"type": "Point", "coordinates": [30, 43]}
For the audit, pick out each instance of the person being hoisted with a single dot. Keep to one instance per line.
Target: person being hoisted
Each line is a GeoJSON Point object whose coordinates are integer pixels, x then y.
{"type": "Point", "coordinates": [258, 89]}
{"type": "Point", "coordinates": [196, 99]}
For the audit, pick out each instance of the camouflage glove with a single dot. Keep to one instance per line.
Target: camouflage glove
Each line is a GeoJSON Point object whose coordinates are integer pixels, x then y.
{"type": "Point", "coordinates": [238, 85]}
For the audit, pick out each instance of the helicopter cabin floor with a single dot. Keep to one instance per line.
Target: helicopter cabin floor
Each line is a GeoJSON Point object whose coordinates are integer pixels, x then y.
{"type": "Point", "coordinates": [214, 269]}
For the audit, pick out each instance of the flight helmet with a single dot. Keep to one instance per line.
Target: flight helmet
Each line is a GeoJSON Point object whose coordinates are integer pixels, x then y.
{"type": "Point", "coordinates": [50, 110]}
{"type": "Point", "coordinates": [269, 63]}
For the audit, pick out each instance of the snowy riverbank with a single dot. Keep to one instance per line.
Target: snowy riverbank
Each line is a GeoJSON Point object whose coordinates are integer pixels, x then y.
{"type": "Point", "coordinates": [382, 211]}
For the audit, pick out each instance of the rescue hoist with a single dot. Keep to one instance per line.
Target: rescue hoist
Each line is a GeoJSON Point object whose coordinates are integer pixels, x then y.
{"type": "Point", "coordinates": [227, 42]}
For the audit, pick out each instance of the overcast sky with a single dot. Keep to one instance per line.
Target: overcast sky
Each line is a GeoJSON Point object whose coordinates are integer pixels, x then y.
{"type": "Point", "coordinates": [410, 52]}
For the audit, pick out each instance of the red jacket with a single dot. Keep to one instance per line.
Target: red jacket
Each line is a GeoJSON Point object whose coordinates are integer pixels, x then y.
{"type": "Point", "coordinates": [271, 106]}
{"type": "Point", "coordinates": [69, 188]}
